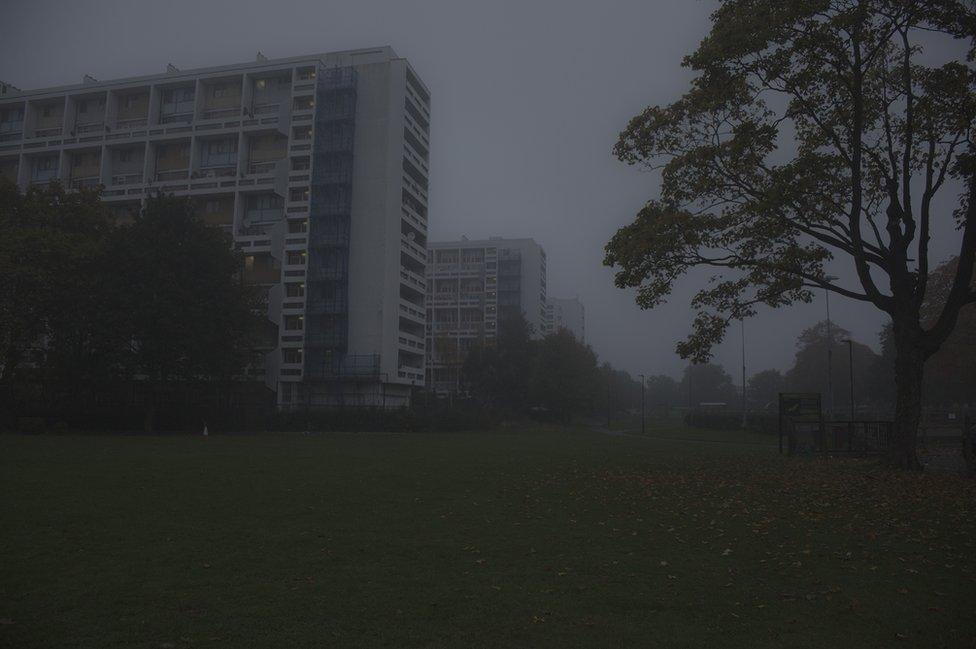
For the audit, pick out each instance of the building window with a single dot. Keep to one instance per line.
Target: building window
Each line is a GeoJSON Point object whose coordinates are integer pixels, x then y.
{"type": "Point", "coordinates": [82, 106]}
{"type": "Point", "coordinates": [300, 164]}
{"type": "Point", "coordinates": [298, 194]}
{"type": "Point", "coordinates": [294, 322]}
{"type": "Point", "coordinates": [291, 354]}
{"type": "Point", "coordinates": [296, 257]}
{"type": "Point", "coordinates": [293, 289]}
{"type": "Point", "coordinates": [177, 101]}
{"type": "Point", "coordinates": [220, 153]}
{"type": "Point", "coordinates": [297, 227]}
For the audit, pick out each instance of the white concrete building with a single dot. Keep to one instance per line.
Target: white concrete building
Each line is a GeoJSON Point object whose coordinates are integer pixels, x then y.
{"type": "Point", "coordinates": [318, 167]}
{"type": "Point", "coordinates": [471, 287]}
{"type": "Point", "coordinates": [568, 314]}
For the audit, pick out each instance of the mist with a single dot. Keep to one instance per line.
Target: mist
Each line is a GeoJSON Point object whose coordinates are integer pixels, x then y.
{"type": "Point", "coordinates": [527, 102]}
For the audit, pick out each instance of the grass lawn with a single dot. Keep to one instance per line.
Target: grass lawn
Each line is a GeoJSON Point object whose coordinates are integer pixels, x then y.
{"type": "Point", "coordinates": [529, 539]}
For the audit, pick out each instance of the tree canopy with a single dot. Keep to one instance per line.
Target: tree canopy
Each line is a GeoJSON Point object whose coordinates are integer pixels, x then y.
{"type": "Point", "coordinates": [812, 132]}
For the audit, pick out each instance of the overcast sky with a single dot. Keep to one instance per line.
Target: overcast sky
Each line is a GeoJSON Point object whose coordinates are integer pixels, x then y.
{"type": "Point", "coordinates": [527, 100]}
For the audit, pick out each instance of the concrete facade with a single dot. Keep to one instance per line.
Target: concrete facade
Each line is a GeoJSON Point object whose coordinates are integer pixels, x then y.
{"type": "Point", "coordinates": [568, 314]}
{"type": "Point", "coordinates": [316, 165]}
{"type": "Point", "coordinates": [471, 287]}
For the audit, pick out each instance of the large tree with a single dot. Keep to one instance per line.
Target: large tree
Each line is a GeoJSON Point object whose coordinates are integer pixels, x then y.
{"type": "Point", "coordinates": [813, 135]}
{"type": "Point", "coordinates": [176, 299]}
{"type": "Point", "coordinates": [51, 244]}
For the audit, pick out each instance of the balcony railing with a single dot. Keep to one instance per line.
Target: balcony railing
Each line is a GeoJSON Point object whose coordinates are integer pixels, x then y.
{"type": "Point", "coordinates": [261, 167]}
{"type": "Point", "coordinates": [176, 117]}
{"type": "Point", "coordinates": [215, 172]}
{"type": "Point", "coordinates": [220, 113]}
{"type": "Point", "coordinates": [125, 124]}
{"type": "Point", "coordinates": [174, 174]}
{"type": "Point", "coordinates": [264, 109]}
{"type": "Point", "coordinates": [47, 132]}
{"type": "Point", "coordinates": [11, 131]}
{"type": "Point", "coordinates": [93, 127]}
{"type": "Point", "coordinates": [88, 182]}
{"type": "Point", "coordinates": [259, 215]}
{"type": "Point", "coordinates": [126, 179]}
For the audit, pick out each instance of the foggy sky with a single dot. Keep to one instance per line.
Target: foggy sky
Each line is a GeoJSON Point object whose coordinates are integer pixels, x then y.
{"type": "Point", "coordinates": [527, 100]}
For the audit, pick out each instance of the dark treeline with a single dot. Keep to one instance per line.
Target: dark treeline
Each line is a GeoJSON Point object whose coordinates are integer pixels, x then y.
{"type": "Point", "coordinates": [97, 316]}
{"type": "Point", "coordinates": [556, 377]}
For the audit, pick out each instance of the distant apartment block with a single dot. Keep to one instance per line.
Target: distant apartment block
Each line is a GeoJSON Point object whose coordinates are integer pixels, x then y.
{"type": "Point", "coordinates": [568, 314]}
{"type": "Point", "coordinates": [316, 165]}
{"type": "Point", "coordinates": [472, 286]}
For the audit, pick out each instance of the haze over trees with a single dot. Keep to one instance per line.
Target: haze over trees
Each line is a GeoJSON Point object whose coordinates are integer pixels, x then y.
{"type": "Point", "coordinates": [812, 133]}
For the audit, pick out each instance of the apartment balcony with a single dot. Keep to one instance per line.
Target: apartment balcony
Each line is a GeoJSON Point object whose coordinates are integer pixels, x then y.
{"type": "Point", "coordinates": [413, 279]}
{"type": "Point", "coordinates": [172, 174]}
{"type": "Point", "coordinates": [418, 252]}
{"type": "Point", "coordinates": [89, 128]}
{"type": "Point", "coordinates": [48, 132]}
{"type": "Point", "coordinates": [10, 131]}
{"type": "Point", "coordinates": [126, 179]}
{"type": "Point", "coordinates": [216, 171]}
{"type": "Point", "coordinates": [220, 113]}
{"type": "Point", "coordinates": [85, 182]}
{"type": "Point", "coordinates": [264, 167]}
{"type": "Point", "coordinates": [265, 109]}
{"type": "Point", "coordinates": [176, 118]}
{"type": "Point", "coordinates": [129, 124]}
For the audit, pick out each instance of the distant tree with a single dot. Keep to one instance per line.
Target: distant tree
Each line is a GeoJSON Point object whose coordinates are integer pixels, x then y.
{"type": "Point", "coordinates": [813, 131]}
{"type": "Point", "coordinates": [499, 372]}
{"type": "Point", "coordinates": [663, 392]}
{"type": "Point", "coordinates": [809, 372]}
{"type": "Point", "coordinates": [707, 383]}
{"type": "Point", "coordinates": [176, 299]}
{"type": "Point", "coordinates": [765, 387]}
{"type": "Point", "coordinates": [51, 244]}
{"type": "Point", "coordinates": [564, 376]}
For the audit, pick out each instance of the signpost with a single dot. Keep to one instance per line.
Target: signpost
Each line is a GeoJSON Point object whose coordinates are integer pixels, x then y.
{"type": "Point", "coordinates": [799, 407]}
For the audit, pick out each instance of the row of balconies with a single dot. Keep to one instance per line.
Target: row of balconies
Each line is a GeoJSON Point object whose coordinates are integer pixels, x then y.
{"type": "Point", "coordinates": [84, 112]}
{"type": "Point", "coordinates": [145, 163]}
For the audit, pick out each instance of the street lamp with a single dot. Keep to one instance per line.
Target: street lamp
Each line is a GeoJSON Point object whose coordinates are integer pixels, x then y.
{"type": "Point", "coordinates": [642, 402]}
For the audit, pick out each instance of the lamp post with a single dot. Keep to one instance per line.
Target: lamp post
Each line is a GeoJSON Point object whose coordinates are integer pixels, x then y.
{"type": "Point", "coordinates": [830, 356]}
{"type": "Point", "coordinates": [850, 348]}
{"type": "Point", "coordinates": [642, 402]}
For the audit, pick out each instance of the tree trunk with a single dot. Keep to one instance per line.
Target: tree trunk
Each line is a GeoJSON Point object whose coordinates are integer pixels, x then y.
{"type": "Point", "coordinates": [909, 365]}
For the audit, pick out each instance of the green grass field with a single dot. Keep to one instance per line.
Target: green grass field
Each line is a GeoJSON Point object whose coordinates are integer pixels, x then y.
{"type": "Point", "coordinates": [537, 538]}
